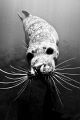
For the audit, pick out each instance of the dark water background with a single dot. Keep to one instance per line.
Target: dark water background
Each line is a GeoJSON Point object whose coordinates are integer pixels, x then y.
{"type": "Point", "coordinates": [64, 15]}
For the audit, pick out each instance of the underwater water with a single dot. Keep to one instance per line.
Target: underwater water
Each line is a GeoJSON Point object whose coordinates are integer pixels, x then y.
{"type": "Point", "coordinates": [64, 16]}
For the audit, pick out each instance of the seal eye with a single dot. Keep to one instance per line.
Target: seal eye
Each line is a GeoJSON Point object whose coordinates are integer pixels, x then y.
{"type": "Point", "coordinates": [29, 56]}
{"type": "Point", "coordinates": [49, 51]}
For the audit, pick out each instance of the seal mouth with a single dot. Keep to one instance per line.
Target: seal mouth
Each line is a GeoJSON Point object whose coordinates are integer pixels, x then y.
{"type": "Point", "coordinates": [46, 68]}
{"type": "Point", "coordinates": [42, 69]}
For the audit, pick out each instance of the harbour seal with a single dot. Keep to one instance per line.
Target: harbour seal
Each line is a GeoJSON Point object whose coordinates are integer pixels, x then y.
{"type": "Point", "coordinates": [42, 43]}
{"type": "Point", "coordinates": [41, 52]}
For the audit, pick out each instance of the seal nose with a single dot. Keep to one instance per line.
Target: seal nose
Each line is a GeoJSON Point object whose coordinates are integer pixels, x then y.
{"type": "Point", "coordinates": [43, 69]}
{"type": "Point", "coordinates": [46, 68]}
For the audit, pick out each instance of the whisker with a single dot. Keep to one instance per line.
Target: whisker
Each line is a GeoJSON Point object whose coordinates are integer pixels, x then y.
{"type": "Point", "coordinates": [25, 43]}
{"type": "Point", "coordinates": [14, 78]}
{"type": "Point", "coordinates": [65, 61]}
{"type": "Point", "coordinates": [61, 83]}
{"type": "Point", "coordinates": [24, 47]}
{"type": "Point", "coordinates": [68, 83]}
{"type": "Point", "coordinates": [22, 90]}
{"type": "Point", "coordinates": [15, 85]}
{"type": "Point", "coordinates": [69, 74]}
{"type": "Point", "coordinates": [67, 78]}
{"type": "Point", "coordinates": [10, 82]}
{"type": "Point", "coordinates": [16, 68]}
{"type": "Point", "coordinates": [68, 68]}
{"type": "Point", "coordinates": [23, 87]}
{"type": "Point", "coordinates": [12, 73]}
{"type": "Point", "coordinates": [57, 90]}
{"type": "Point", "coordinates": [63, 66]}
{"type": "Point", "coordinates": [23, 69]}
{"type": "Point", "coordinates": [54, 83]}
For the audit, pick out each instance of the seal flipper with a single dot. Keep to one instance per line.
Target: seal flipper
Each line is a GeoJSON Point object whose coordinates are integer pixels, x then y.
{"type": "Point", "coordinates": [20, 17]}
{"type": "Point", "coordinates": [26, 13]}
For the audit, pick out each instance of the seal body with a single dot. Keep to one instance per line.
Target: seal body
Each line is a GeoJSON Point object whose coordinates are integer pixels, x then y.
{"type": "Point", "coordinates": [42, 40]}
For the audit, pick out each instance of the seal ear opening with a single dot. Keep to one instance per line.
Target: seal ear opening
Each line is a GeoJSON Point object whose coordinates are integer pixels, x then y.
{"type": "Point", "coordinates": [26, 13]}
{"type": "Point", "coordinates": [20, 17]}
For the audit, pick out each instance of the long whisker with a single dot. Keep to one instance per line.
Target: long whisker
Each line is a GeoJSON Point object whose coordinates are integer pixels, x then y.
{"type": "Point", "coordinates": [17, 69]}
{"type": "Point", "coordinates": [14, 78]}
{"type": "Point", "coordinates": [22, 89]}
{"type": "Point", "coordinates": [68, 68]}
{"type": "Point", "coordinates": [24, 43]}
{"type": "Point", "coordinates": [68, 83]}
{"type": "Point", "coordinates": [63, 66]}
{"type": "Point", "coordinates": [65, 61]}
{"type": "Point", "coordinates": [11, 82]}
{"type": "Point", "coordinates": [57, 90]}
{"type": "Point", "coordinates": [67, 78]}
{"type": "Point", "coordinates": [16, 84]}
{"type": "Point", "coordinates": [11, 73]}
{"type": "Point", "coordinates": [69, 74]}
{"type": "Point", "coordinates": [54, 83]}
{"type": "Point", "coordinates": [23, 69]}
{"type": "Point", "coordinates": [61, 83]}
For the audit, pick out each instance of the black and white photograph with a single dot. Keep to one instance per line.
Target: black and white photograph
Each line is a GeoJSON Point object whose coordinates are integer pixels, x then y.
{"type": "Point", "coordinates": [39, 59]}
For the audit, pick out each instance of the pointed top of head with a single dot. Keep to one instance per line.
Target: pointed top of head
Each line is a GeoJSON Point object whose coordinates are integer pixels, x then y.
{"type": "Point", "coordinates": [26, 13]}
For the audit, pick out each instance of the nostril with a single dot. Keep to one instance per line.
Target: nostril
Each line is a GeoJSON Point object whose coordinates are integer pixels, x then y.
{"type": "Point", "coordinates": [49, 51]}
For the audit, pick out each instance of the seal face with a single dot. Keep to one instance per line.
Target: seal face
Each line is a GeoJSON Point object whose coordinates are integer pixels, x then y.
{"type": "Point", "coordinates": [42, 40]}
